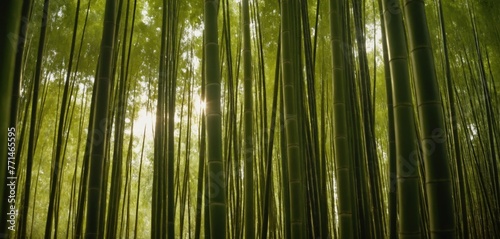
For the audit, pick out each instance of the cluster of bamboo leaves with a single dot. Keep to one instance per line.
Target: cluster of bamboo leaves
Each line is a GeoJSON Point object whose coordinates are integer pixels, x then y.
{"type": "Point", "coordinates": [251, 118]}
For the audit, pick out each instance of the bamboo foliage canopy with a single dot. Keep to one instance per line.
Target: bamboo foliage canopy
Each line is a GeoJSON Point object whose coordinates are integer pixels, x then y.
{"type": "Point", "coordinates": [249, 119]}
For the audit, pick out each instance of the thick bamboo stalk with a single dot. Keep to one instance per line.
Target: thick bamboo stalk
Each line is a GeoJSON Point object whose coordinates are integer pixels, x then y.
{"type": "Point", "coordinates": [405, 137]}
{"type": "Point", "coordinates": [439, 189]}
{"type": "Point", "coordinates": [215, 165]}
{"type": "Point", "coordinates": [97, 155]}
{"type": "Point", "coordinates": [294, 151]}
{"type": "Point", "coordinates": [341, 139]}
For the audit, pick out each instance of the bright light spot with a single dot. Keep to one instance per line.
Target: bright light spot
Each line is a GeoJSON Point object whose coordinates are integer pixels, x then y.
{"type": "Point", "coordinates": [473, 131]}
{"type": "Point", "coordinates": [146, 19]}
{"type": "Point", "coordinates": [373, 33]}
{"type": "Point", "coordinates": [200, 105]}
{"type": "Point", "coordinates": [196, 62]}
{"type": "Point", "coordinates": [145, 119]}
{"type": "Point", "coordinates": [198, 32]}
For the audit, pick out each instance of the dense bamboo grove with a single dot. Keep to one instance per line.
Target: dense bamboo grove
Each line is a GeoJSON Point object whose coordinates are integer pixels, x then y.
{"type": "Point", "coordinates": [249, 119]}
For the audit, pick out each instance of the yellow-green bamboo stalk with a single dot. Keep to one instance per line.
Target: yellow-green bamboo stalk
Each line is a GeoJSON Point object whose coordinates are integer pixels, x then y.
{"type": "Point", "coordinates": [295, 160]}
{"type": "Point", "coordinates": [340, 131]}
